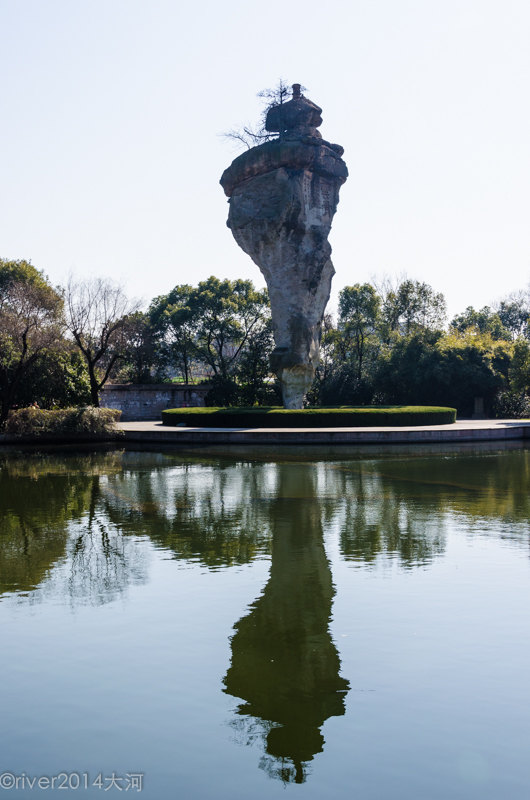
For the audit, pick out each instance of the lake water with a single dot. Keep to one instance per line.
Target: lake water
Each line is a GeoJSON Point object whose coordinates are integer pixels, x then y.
{"type": "Point", "coordinates": [259, 625]}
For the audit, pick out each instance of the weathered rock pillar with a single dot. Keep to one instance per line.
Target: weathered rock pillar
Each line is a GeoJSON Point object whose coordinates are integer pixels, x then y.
{"type": "Point", "coordinates": [283, 195]}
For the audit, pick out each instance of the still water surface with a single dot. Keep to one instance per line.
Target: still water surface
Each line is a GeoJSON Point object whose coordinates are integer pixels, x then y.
{"type": "Point", "coordinates": [240, 626]}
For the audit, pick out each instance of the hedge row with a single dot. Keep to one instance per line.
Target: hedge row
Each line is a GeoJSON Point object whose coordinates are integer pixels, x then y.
{"type": "Point", "coordinates": [38, 422]}
{"type": "Point", "coordinates": [339, 417]}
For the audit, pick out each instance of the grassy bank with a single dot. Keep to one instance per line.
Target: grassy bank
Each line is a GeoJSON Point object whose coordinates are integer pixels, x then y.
{"type": "Point", "coordinates": [340, 417]}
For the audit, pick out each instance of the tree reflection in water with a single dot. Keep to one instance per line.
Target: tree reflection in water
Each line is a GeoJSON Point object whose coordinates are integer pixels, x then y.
{"type": "Point", "coordinates": [102, 561]}
{"type": "Point", "coordinates": [53, 536]}
{"type": "Point", "coordinates": [399, 507]}
{"type": "Point", "coordinates": [201, 510]}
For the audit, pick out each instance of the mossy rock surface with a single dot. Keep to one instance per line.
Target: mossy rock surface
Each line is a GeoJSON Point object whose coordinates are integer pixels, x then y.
{"type": "Point", "coordinates": [330, 417]}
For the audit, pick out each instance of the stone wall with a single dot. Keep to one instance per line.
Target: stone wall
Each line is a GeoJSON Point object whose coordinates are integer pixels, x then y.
{"type": "Point", "coordinates": [147, 401]}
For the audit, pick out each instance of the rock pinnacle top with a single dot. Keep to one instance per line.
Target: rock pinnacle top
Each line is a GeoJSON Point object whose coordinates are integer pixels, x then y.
{"type": "Point", "coordinates": [299, 115]}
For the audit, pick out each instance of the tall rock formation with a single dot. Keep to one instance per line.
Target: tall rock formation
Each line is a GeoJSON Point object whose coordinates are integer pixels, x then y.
{"type": "Point", "coordinates": [283, 195]}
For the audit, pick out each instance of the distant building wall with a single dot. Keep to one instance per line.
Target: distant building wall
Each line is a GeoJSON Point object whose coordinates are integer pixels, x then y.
{"type": "Point", "coordinates": [146, 401]}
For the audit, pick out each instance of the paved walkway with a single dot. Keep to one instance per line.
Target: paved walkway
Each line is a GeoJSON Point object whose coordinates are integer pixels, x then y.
{"type": "Point", "coordinates": [461, 431]}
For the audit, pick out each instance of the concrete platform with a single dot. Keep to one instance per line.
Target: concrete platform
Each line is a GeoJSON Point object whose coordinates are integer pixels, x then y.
{"type": "Point", "coordinates": [460, 431]}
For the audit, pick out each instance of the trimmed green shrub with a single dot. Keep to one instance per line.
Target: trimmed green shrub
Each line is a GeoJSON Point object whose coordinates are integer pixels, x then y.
{"type": "Point", "coordinates": [37, 422]}
{"type": "Point", "coordinates": [331, 417]}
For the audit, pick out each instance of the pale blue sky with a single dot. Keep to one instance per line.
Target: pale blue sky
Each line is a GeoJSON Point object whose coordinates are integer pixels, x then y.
{"type": "Point", "coordinates": [111, 112]}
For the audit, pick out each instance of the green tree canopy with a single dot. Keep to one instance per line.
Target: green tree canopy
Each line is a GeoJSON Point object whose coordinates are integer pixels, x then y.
{"type": "Point", "coordinates": [514, 313]}
{"type": "Point", "coordinates": [217, 325]}
{"type": "Point", "coordinates": [140, 360]}
{"type": "Point", "coordinates": [174, 321]}
{"type": "Point", "coordinates": [484, 320]}
{"type": "Point", "coordinates": [447, 369]}
{"type": "Point", "coordinates": [31, 323]}
{"type": "Point", "coordinates": [228, 313]}
{"type": "Point", "coordinates": [359, 312]}
{"type": "Point", "coordinates": [413, 307]}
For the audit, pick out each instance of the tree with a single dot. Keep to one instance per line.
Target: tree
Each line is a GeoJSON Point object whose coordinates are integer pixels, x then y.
{"type": "Point", "coordinates": [140, 361]}
{"type": "Point", "coordinates": [513, 399]}
{"type": "Point", "coordinates": [444, 369]}
{"type": "Point", "coordinates": [350, 349]}
{"type": "Point", "coordinates": [58, 378]}
{"type": "Point", "coordinates": [227, 313]}
{"type": "Point", "coordinates": [373, 320]}
{"type": "Point", "coordinates": [250, 135]}
{"type": "Point", "coordinates": [359, 309]}
{"type": "Point", "coordinates": [96, 312]}
{"type": "Point", "coordinates": [221, 327]}
{"type": "Point", "coordinates": [514, 313]}
{"type": "Point", "coordinates": [174, 321]}
{"type": "Point", "coordinates": [520, 367]}
{"type": "Point", "coordinates": [413, 307]}
{"type": "Point", "coordinates": [253, 369]}
{"type": "Point", "coordinates": [482, 321]}
{"type": "Point", "coordinates": [30, 324]}
{"type": "Point", "coordinates": [325, 369]}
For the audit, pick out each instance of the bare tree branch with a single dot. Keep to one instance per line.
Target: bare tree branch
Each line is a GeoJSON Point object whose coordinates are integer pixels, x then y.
{"type": "Point", "coordinates": [251, 136]}
{"type": "Point", "coordinates": [96, 312]}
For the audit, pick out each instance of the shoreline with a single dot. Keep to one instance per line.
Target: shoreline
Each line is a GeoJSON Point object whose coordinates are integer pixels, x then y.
{"type": "Point", "coordinates": [148, 432]}
{"type": "Point", "coordinates": [460, 431]}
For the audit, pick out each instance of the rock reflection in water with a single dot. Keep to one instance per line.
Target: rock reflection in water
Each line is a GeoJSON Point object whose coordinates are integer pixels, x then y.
{"type": "Point", "coordinates": [285, 666]}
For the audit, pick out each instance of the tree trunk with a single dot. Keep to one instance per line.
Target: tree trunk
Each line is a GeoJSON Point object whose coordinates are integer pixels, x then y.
{"type": "Point", "coordinates": [94, 387]}
{"type": "Point", "coordinates": [6, 403]}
